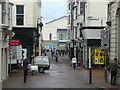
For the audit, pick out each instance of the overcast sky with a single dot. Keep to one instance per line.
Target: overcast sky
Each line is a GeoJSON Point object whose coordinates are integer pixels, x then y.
{"type": "Point", "coordinates": [52, 9]}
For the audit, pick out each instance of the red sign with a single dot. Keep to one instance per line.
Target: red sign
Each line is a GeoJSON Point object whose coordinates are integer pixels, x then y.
{"type": "Point", "coordinates": [106, 50]}
{"type": "Point", "coordinates": [14, 42]}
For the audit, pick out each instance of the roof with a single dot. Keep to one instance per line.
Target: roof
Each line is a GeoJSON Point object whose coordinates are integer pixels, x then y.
{"type": "Point", "coordinates": [56, 19]}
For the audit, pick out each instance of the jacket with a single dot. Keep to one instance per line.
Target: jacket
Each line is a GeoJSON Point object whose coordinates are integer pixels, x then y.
{"type": "Point", "coordinates": [113, 66]}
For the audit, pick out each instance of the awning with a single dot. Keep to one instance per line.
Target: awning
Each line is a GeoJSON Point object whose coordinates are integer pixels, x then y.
{"type": "Point", "coordinates": [92, 32]}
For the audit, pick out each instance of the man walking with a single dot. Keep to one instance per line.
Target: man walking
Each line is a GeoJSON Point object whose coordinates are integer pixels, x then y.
{"type": "Point", "coordinates": [113, 68]}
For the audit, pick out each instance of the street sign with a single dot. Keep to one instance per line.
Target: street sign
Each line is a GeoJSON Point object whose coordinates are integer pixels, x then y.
{"type": "Point", "coordinates": [14, 42]}
{"type": "Point", "coordinates": [104, 39]}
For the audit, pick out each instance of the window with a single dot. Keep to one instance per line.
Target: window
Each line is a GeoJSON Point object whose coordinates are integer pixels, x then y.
{"type": "Point", "coordinates": [19, 15]}
{"type": "Point", "coordinates": [10, 16]}
{"type": "Point", "coordinates": [50, 36]}
{"type": "Point", "coordinates": [68, 19]}
{"type": "Point", "coordinates": [69, 6]}
{"type": "Point", "coordinates": [68, 33]}
{"type": "Point", "coordinates": [60, 36]}
{"type": "Point", "coordinates": [76, 32]}
{"type": "Point", "coordinates": [5, 13]}
{"type": "Point", "coordinates": [81, 7]}
{"type": "Point", "coordinates": [81, 25]}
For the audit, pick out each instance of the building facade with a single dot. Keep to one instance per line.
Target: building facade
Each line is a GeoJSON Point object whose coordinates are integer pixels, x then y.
{"type": "Point", "coordinates": [5, 35]}
{"type": "Point", "coordinates": [25, 17]}
{"type": "Point", "coordinates": [84, 19]}
{"type": "Point", "coordinates": [113, 22]}
{"type": "Point", "coordinates": [55, 33]}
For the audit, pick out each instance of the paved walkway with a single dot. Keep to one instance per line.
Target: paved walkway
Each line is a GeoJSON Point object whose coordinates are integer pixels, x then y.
{"type": "Point", "coordinates": [60, 75]}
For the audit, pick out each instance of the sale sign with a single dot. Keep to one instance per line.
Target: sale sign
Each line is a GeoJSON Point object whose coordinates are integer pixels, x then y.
{"type": "Point", "coordinates": [14, 42]}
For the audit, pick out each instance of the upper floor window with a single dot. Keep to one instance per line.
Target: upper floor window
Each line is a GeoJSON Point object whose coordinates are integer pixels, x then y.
{"type": "Point", "coordinates": [69, 6]}
{"type": "Point", "coordinates": [68, 19]}
{"type": "Point", "coordinates": [20, 15]}
{"type": "Point", "coordinates": [76, 32]}
{"type": "Point", "coordinates": [50, 36]}
{"type": "Point", "coordinates": [5, 13]}
{"type": "Point", "coordinates": [81, 25]}
{"type": "Point", "coordinates": [81, 7]}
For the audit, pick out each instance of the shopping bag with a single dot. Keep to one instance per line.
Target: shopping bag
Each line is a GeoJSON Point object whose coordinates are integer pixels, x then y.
{"type": "Point", "coordinates": [34, 68]}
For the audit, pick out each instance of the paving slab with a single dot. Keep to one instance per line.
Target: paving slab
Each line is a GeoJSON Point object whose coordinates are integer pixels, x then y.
{"type": "Point", "coordinates": [60, 75]}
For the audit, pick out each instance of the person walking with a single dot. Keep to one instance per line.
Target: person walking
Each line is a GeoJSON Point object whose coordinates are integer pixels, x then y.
{"type": "Point", "coordinates": [78, 64]}
{"type": "Point", "coordinates": [52, 53]}
{"type": "Point", "coordinates": [33, 60]}
{"type": "Point", "coordinates": [33, 64]}
{"type": "Point", "coordinates": [113, 69]}
{"type": "Point", "coordinates": [74, 62]}
{"type": "Point", "coordinates": [56, 56]}
{"type": "Point", "coordinates": [25, 68]}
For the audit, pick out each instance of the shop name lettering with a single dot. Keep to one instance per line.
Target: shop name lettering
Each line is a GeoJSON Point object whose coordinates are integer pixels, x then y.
{"type": "Point", "coordinates": [14, 41]}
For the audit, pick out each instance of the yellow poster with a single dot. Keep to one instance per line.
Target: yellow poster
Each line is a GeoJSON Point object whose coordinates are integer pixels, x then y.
{"type": "Point", "coordinates": [97, 56]}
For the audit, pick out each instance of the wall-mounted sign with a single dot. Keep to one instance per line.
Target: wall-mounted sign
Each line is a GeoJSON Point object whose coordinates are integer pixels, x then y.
{"type": "Point", "coordinates": [104, 39]}
{"type": "Point", "coordinates": [97, 56]}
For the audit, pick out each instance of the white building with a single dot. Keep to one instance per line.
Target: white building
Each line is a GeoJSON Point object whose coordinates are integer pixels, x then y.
{"type": "Point", "coordinates": [25, 17]}
{"type": "Point", "coordinates": [86, 20]}
{"type": "Point", "coordinates": [52, 33]}
{"type": "Point", "coordinates": [5, 35]}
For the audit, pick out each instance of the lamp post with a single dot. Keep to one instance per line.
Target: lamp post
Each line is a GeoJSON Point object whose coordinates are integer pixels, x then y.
{"type": "Point", "coordinates": [39, 36]}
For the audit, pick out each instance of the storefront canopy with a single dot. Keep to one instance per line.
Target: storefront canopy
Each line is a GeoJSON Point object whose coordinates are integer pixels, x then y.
{"type": "Point", "coordinates": [91, 32]}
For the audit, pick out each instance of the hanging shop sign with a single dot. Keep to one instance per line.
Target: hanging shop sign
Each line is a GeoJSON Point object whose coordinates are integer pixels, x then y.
{"type": "Point", "coordinates": [14, 42]}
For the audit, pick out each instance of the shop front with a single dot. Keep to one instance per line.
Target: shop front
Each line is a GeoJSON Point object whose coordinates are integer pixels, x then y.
{"type": "Point", "coordinates": [92, 52]}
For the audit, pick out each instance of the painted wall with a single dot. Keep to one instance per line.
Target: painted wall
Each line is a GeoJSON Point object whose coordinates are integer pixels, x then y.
{"type": "Point", "coordinates": [32, 11]}
{"type": "Point", "coordinates": [98, 13]}
{"type": "Point", "coordinates": [4, 43]}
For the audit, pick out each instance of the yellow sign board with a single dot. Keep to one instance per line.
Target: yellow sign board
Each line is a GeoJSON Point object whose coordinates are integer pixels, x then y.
{"type": "Point", "coordinates": [97, 56]}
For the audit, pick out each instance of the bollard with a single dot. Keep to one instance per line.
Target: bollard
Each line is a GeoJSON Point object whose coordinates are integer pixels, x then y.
{"type": "Point", "coordinates": [25, 75]}
{"type": "Point", "coordinates": [56, 59]}
{"type": "Point", "coordinates": [105, 74]}
{"type": "Point", "coordinates": [90, 76]}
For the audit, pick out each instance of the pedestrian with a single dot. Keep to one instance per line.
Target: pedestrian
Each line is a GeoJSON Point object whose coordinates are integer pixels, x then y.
{"type": "Point", "coordinates": [33, 64]}
{"type": "Point", "coordinates": [74, 62]}
{"type": "Point", "coordinates": [78, 64]}
{"type": "Point", "coordinates": [52, 53]}
{"type": "Point", "coordinates": [113, 69]}
{"type": "Point", "coordinates": [56, 57]}
{"type": "Point", "coordinates": [33, 60]}
{"type": "Point", "coordinates": [25, 68]}
{"type": "Point", "coordinates": [45, 54]}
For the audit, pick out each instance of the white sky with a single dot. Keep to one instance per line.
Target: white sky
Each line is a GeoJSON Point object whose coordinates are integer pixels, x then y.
{"type": "Point", "coordinates": [53, 9]}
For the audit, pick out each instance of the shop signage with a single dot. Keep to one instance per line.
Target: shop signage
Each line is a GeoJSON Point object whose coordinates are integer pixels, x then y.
{"type": "Point", "coordinates": [14, 42]}
{"type": "Point", "coordinates": [98, 56]}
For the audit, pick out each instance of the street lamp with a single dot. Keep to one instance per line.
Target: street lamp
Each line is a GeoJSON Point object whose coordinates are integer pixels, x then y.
{"type": "Point", "coordinates": [39, 36]}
